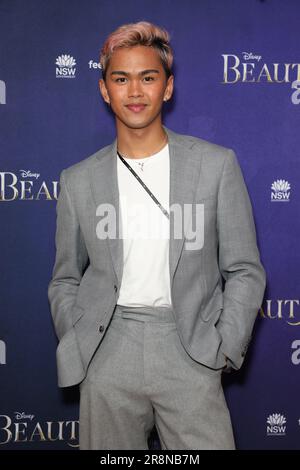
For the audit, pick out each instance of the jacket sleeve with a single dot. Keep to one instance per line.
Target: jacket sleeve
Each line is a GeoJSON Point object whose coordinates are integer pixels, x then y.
{"type": "Point", "coordinates": [70, 262]}
{"type": "Point", "coordinates": [239, 263]}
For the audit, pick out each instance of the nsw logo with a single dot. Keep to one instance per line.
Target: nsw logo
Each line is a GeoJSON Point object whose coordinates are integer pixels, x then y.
{"type": "Point", "coordinates": [65, 66]}
{"type": "Point", "coordinates": [280, 191]}
{"type": "Point", "coordinates": [276, 425]}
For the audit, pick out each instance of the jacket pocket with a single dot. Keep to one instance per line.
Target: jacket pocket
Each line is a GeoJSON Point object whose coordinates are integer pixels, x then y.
{"type": "Point", "coordinates": [213, 309]}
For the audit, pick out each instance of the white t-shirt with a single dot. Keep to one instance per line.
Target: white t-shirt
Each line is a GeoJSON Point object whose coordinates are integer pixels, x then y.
{"type": "Point", "coordinates": [145, 231]}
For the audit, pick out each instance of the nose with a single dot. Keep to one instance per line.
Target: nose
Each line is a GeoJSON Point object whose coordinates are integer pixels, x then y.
{"type": "Point", "coordinates": [134, 89]}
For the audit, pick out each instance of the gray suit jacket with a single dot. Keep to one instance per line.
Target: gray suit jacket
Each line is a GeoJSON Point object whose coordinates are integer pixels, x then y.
{"type": "Point", "coordinates": [214, 318]}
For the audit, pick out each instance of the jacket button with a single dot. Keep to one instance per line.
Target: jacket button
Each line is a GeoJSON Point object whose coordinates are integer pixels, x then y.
{"type": "Point", "coordinates": [116, 288]}
{"type": "Point", "coordinates": [101, 328]}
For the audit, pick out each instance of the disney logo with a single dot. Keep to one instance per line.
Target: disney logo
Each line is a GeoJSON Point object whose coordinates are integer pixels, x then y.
{"type": "Point", "coordinates": [250, 55]}
{"type": "Point", "coordinates": [27, 174]}
{"type": "Point", "coordinates": [22, 415]}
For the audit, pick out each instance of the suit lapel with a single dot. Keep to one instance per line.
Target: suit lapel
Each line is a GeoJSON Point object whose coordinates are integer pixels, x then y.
{"type": "Point", "coordinates": [105, 189]}
{"type": "Point", "coordinates": [184, 175]}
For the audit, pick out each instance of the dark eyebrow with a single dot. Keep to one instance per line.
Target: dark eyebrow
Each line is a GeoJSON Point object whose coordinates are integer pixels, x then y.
{"type": "Point", "coordinates": [144, 72]}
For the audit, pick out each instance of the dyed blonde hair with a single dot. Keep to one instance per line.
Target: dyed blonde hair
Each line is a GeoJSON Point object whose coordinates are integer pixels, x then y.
{"type": "Point", "coordinates": [142, 34]}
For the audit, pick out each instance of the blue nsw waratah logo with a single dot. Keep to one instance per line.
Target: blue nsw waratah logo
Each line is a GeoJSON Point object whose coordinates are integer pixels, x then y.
{"type": "Point", "coordinates": [65, 66]}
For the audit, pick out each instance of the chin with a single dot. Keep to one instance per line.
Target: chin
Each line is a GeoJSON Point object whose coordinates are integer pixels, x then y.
{"type": "Point", "coordinates": [138, 122]}
{"type": "Point", "coordinates": [137, 125]}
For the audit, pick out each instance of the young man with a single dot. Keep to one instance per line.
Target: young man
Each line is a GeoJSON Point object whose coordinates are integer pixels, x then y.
{"type": "Point", "coordinates": [145, 325]}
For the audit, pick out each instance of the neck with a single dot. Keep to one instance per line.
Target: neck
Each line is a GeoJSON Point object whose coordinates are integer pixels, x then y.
{"type": "Point", "coordinates": [140, 143]}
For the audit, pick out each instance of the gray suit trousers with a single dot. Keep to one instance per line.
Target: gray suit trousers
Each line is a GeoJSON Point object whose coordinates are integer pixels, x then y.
{"type": "Point", "coordinates": [141, 376]}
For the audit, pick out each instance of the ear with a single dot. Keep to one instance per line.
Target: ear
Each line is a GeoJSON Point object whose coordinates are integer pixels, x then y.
{"type": "Point", "coordinates": [169, 88]}
{"type": "Point", "coordinates": [103, 91]}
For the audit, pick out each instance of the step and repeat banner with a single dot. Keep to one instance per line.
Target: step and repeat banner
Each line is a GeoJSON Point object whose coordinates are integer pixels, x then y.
{"type": "Point", "coordinates": [237, 84]}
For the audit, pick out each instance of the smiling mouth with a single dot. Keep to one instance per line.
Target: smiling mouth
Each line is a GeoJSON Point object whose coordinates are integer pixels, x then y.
{"type": "Point", "coordinates": [136, 108]}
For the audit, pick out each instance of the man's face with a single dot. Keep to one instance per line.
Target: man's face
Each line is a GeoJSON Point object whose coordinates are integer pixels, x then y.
{"type": "Point", "coordinates": [135, 76]}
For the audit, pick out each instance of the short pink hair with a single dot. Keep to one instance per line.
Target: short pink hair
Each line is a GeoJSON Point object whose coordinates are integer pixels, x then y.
{"type": "Point", "coordinates": [142, 34]}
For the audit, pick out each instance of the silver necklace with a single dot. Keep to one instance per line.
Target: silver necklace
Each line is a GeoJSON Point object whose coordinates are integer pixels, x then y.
{"type": "Point", "coordinates": [141, 164]}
